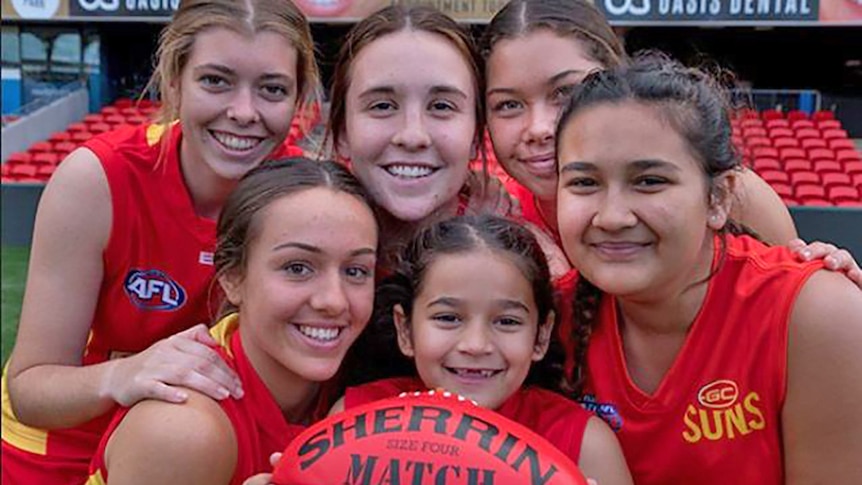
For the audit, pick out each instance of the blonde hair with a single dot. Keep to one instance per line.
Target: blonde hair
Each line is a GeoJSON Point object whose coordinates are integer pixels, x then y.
{"type": "Point", "coordinates": [242, 16]}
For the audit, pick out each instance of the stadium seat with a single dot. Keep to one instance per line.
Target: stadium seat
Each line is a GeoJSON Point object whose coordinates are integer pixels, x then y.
{"type": "Point", "coordinates": [763, 152]}
{"type": "Point", "coordinates": [844, 203]}
{"type": "Point", "coordinates": [827, 166]}
{"type": "Point", "coordinates": [780, 132]}
{"type": "Point", "coordinates": [831, 134]}
{"type": "Point", "coordinates": [65, 147]}
{"type": "Point", "coordinates": [805, 178]}
{"type": "Point", "coordinates": [852, 168]}
{"type": "Point", "coordinates": [782, 189]}
{"type": "Point", "coordinates": [123, 103]}
{"type": "Point", "coordinates": [828, 125]}
{"type": "Point", "coordinates": [797, 115]}
{"type": "Point", "coordinates": [805, 133]}
{"type": "Point", "coordinates": [46, 171]}
{"type": "Point", "coordinates": [834, 179]}
{"type": "Point", "coordinates": [81, 136]}
{"type": "Point", "coordinates": [45, 158]}
{"type": "Point", "coordinates": [19, 158]}
{"type": "Point", "coordinates": [844, 194]}
{"type": "Point", "coordinates": [130, 111]}
{"type": "Point", "coordinates": [802, 124]}
{"type": "Point", "coordinates": [791, 152]}
{"type": "Point", "coordinates": [821, 153]}
{"type": "Point", "coordinates": [777, 123]}
{"type": "Point", "coordinates": [115, 119]}
{"type": "Point", "coordinates": [757, 141]}
{"type": "Point", "coordinates": [772, 114]}
{"type": "Point", "coordinates": [40, 147]}
{"type": "Point", "coordinates": [100, 128]}
{"type": "Point", "coordinates": [823, 115]}
{"type": "Point", "coordinates": [752, 131]}
{"type": "Point", "coordinates": [805, 192]}
{"type": "Point", "coordinates": [110, 110]}
{"type": "Point", "coordinates": [763, 164]}
{"type": "Point", "coordinates": [775, 177]}
{"type": "Point", "coordinates": [23, 171]}
{"type": "Point", "coordinates": [60, 136]}
{"type": "Point", "coordinates": [785, 142]}
{"type": "Point", "coordinates": [94, 118]}
{"type": "Point", "coordinates": [809, 143]}
{"type": "Point", "coordinates": [793, 165]}
{"type": "Point", "coordinates": [841, 144]}
{"type": "Point", "coordinates": [76, 127]}
{"type": "Point", "coordinates": [747, 114]}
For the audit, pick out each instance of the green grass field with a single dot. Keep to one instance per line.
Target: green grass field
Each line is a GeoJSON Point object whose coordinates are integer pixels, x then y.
{"type": "Point", "coordinates": [13, 274]}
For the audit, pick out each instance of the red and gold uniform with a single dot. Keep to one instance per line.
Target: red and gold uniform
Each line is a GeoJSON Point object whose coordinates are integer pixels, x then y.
{"type": "Point", "coordinates": [560, 421]}
{"type": "Point", "coordinates": [716, 416]}
{"type": "Point", "coordinates": [258, 422]}
{"type": "Point", "coordinates": [158, 268]}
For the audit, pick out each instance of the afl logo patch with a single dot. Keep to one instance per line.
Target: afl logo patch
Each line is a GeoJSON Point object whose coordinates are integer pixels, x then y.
{"type": "Point", "coordinates": [153, 290]}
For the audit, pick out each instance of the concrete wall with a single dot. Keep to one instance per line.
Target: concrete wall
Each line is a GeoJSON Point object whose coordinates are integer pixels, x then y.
{"type": "Point", "coordinates": [40, 124]}
{"type": "Point", "coordinates": [17, 211]}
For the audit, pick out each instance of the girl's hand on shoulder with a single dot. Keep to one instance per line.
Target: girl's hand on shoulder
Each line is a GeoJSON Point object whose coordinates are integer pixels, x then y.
{"type": "Point", "coordinates": [834, 258]}
{"type": "Point", "coordinates": [264, 478]}
{"type": "Point", "coordinates": [186, 359]}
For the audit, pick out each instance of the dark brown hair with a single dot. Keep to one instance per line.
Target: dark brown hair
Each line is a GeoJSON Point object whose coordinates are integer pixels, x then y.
{"type": "Point", "coordinates": [239, 224]}
{"type": "Point", "coordinates": [456, 236]}
{"type": "Point", "coordinates": [389, 21]}
{"type": "Point", "coordinates": [575, 18]}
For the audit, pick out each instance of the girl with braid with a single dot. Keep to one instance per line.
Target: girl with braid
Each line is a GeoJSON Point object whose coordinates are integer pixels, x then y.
{"type": "Point", "coordinates": [715, 357]}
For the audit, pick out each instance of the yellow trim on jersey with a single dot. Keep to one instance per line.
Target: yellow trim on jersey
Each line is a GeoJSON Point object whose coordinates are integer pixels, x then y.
{"type": "Point", "coordinates": [155, 132]}
{"type": "Point", "coordinates": [96, 479]}
{"type": "Point", "coordinates": [15, 433]}
{"type": "Point", "coordinates": [223, 329]}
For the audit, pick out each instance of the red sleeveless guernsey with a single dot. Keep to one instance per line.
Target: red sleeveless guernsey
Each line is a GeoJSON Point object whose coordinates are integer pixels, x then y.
{"type": "Point", "coordinates": [557, 419]}
{"type": "Point", "coordinates": [716, 416]}
{"type": "Point", "coordinates": [258, 422]}
{"type": "Point", "coordinates": [157, 277]}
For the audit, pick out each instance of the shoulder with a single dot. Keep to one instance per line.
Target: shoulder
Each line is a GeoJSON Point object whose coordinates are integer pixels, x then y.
{"type": "Point", "coordinates": [827, 317]}
{"type": "Point", "coordinates": [193, 442]}
{"type": "Point", "coordinates": [601, 455]}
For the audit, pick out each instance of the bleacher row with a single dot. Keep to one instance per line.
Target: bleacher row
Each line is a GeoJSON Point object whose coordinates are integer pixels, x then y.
{"type": "Point", "coordinates": [807, 160]}
{"type": "Point", "coordinates": [38, 163]}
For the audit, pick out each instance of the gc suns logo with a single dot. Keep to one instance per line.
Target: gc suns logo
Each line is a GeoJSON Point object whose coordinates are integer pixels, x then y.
{"type": "Point", "coordinates": [153, 290]}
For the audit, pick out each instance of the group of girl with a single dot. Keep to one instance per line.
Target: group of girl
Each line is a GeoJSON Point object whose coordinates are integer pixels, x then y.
{"type": "Point", "coordinates": [637, 182]}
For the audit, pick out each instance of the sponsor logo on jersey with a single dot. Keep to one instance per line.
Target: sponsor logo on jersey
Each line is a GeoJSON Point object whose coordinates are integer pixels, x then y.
{"type": "Point", "coordinates": [721, 412]}
{"type": "Point", "coordinates": [605, 410]}
{"type": "Point", "coordinates": [153, 290]}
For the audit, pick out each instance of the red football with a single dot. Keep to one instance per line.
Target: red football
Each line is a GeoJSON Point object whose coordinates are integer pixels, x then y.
{"type": "Point", "coordinates": [423, 438]}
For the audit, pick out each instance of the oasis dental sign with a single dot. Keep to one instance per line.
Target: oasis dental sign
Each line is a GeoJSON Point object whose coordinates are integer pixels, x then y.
{"type": "Point", "coordinates": [123, 8]}
{"type": "Point", "coordinates": [731, 11]}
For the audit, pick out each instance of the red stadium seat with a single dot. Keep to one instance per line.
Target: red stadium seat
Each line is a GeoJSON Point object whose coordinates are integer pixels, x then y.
{"type": "Point", "coordinates": [100, 128]}
{"type": "Point", "coordinates": [40, 147]}
{"type": "Point", "coordinates": [807, 191]}
{"type": "Point", "coordinates": [747, 114]}
{"type": "Point", "coordinates": [828, 125]}
{"type": "Point", "coordinates": [823, 115]}
{"type": "Point", "coordinates": [853, 168]}
{"type": "Point", "coordinates": [23, 171]}
{"type": "Point", "coordinates": [844, 203]}
{"type": "Point", "coordinates": [782, 189]}
{"type": "Point", "coordinates": [792, 152]}
{"type": "Point", "coordinates": [757, 141]}
{"type": "Point", "coordinates": [123, 103]}
{"type": "Point", "coordinates": [841, 144]}
{"type": "Point", "coordinates": [772, 114]}
{"type": "Point", "coordinates": [47, 158]}
{"type": "Point", "coordinates": [821, 153]}
{"type": "Point", "coordinates": [93, 119]}
{"type": "Point", "coordinates": [805, 178]}
{"type": "Point", "coordinates": [81, 136]}
{"type": "Point", "coordinates": [46, 171]}
{"type": "Point", "coordinates": [764, 152]}
{"type": "Point", "coordinates": [815, 202]}
{"type": "Point", "coordinates": [793, 165]}
{"type": "Point", "coordinates": [785, 142]}
{"type": "Point", "coordinates": [65, 147]}
{"type": "Point", "coordinates": [76, 127]}
{"type": "Point", "coordinates": [777, 123]}
{"type": "Point", "coordinates": [845, 193]}
{"type": "Point", "coordinates": [806, 133]}
{"type": "Point", "coordinates": [827, 166]}
{"type": "Point", "coordinates": [110, 110]}
{"type": "Point", "coordinates": [763, 164]}
{"type": "Point", "coordinates": [131, 111]}
{"type": "Point", "coordinates": [802, 124]}
{"type": "Point", "coordinates": [60, 136]}
{"type": "Point", "coordinates": [831, 134]}
{"type": "Point", "coordinates": [809, 143]}
{"type": "Point", "coordinates": [774, 177]}
{"type": "Point", "coordinates": [797, 115]}
{"type": "Point", "coordinates": [115, 119]}
{"type": "Point", "coordinates": [780, 132]}
{"type": "Point", "coordinates": [835, 180]}
{"type": "Point", "coordinates": [19, 158]}
{"type": "Point", "coordinates": [752, 131]}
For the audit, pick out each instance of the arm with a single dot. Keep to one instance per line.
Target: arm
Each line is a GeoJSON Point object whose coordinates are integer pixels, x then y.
{"type": "Point", "coordinates": [821, 419]}
{"type": "Point", "coordinates": [158, 442]}
{"type": "Point", "coordinates": [48, 386]}
{"type": "Point", "coordinates": [758, 206]}
{"type": "Point", "coordinates": [601, 456]}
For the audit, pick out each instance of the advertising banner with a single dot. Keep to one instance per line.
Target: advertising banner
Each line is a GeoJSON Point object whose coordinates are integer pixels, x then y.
{"type": "Point", "coordinates": [618, 12]}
